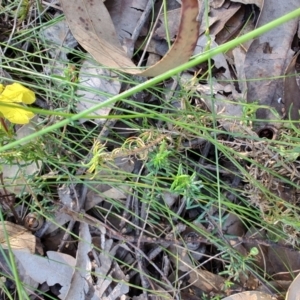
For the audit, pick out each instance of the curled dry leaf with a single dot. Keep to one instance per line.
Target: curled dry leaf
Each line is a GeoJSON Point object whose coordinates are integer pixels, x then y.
{"type": "Point", "coordinates": [59, 217]}
{"type": "Point", "coordinates": [93, 28]}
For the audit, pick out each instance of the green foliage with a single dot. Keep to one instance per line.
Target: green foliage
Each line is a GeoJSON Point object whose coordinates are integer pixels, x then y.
{"type": "Point", "coordinates": [159, 159]}
{"type": "Point", "coordinates": [237, 264]}
{"type": "Point", "coordinates": [187, 186]}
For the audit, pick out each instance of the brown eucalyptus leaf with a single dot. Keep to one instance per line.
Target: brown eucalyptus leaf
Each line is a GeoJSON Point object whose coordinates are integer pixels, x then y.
{"type": "Point", "coordinates": [19, 237]}
{"type": "Point", "coordinates": [93, 28]}
{"type": "Point", "coordinates": [206, 281]}
{"type": "Point", "coordinates": [291, 91]}
{"type": "Point", "coordinates": [185, 42]}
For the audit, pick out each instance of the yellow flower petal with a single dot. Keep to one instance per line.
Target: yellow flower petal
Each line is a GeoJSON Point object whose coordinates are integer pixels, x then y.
{"type": "Point", "coordinates": [16, 92]}
{"type": "Point", "coordinates": [16, 114]}
{"type": "Point", "coordinates": [1, 88]}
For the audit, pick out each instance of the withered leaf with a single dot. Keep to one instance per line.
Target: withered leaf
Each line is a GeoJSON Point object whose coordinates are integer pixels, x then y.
{"type": "Point", "coordinates": [19, 237]}
{"type": "Point", "coordinates": [291, 91]}
{"type": "Point", "coordinates": [91, 25]}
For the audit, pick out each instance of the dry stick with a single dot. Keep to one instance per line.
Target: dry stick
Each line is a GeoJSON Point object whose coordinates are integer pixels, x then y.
{"type": "Point", "coordinates": [83, 217]}
{"type": "Point", "coordinates": [151, 34]}
{"type": "Point", "coordinates": [168, 96]}
{"type": "Point", "coordinates": [154, 265]}
{"type": "Point", "coordinates": [131, 196]}
{"type": "Point", "coordinates": [52, 5]}
{"type": "Point", "coordinates": [79, 203]}
{"type": "Point", "coordinates": [131, 239]}
{"type": "Point", "coordinates": [138, 168]}
{"type": "Point", "coordinates": [13, 29]}
{"type": "Point", "coordinates": [10, 203]}
{"type": "Point", "coordinates": [136, 32]}
{"type": "Point", "coordinates": [66, 235]}
{"type": "Point", "coordinates": [145, 281]}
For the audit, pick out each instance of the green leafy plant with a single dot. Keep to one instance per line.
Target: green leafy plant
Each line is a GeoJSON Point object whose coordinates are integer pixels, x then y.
{"type": "Point", "coordinates": [237, 266]}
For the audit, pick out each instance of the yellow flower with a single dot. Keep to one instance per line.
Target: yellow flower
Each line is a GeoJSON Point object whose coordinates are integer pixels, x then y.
{"type": "Point", "coordinates": [12, 94]}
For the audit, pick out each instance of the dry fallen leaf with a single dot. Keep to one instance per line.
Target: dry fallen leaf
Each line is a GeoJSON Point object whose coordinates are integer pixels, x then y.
{"type": "Point", "coordinates": [15, 174]}
{"type": "Point", "coordinates": [206, 281]}
{"type": "Point", "coordinates": [104, 83]}
{"type": "Point", "coordinates": [19, 237]}
{"type": "Point", "coordinates": [97, 193]}
{"type": "Point", "coordinates": [220, 17]}
{"type": "Point", "coordinates": [216, 3]}
{"type": "Point", "coordinates": [93, 28]}
{"type": "Point", "coordinates": [105, 274]}
{"type": "Point", "coordinates": [81, 279]}
{"type": "Point", "coordinates": [294, 290]}
{"type": "Point", "coordinates": [253, 295]}
{"type": "Point", "coordinates": [59, 42]}
{"type": "Point", "coordinates": [258, 3]}
{"type": "Point", "coordinates": [267, 59]}
{"type": "Point", "coordinates": [125, 15]}
{"type": "Point", "coordinates": [56, 268]}
{"type": "Point", "coordinates": [291, 91]}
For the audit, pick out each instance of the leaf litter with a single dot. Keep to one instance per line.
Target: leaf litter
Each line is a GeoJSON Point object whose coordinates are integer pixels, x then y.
{"type": "Point", "coordinates": [157, 260]}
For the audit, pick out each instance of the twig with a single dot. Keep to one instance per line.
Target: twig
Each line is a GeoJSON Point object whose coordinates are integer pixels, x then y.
{"type": "Point", "coordinates": [13, 29]}
{"type": "Point", "coordinates": [150, 36]}
{"type": "Point", "coordinates": [79, 203]}
{"type": "Point", "coordinates": [10, 203]}
{"type": "Point", "coordinates": [83, 217]}
{"type": "Point", "coordinates": [137, 30]}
